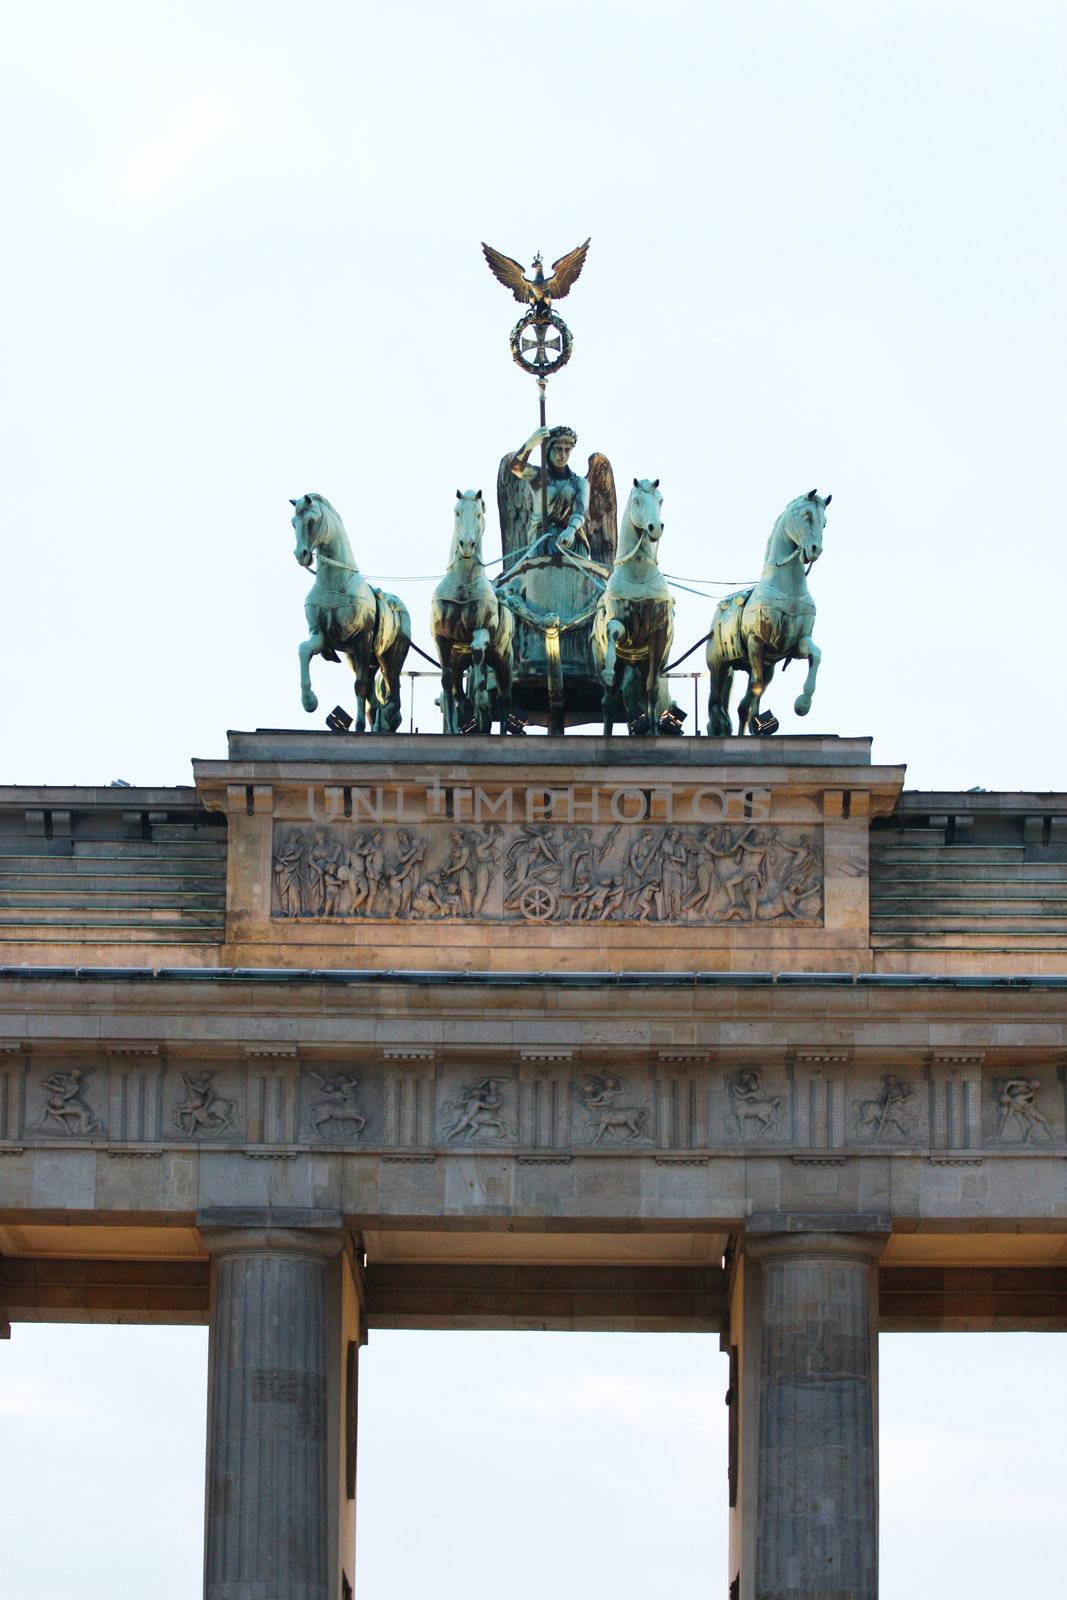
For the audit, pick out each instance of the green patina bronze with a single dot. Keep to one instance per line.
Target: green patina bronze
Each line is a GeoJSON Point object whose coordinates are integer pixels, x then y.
{"type": "Point", "coordinates": [756, 628]}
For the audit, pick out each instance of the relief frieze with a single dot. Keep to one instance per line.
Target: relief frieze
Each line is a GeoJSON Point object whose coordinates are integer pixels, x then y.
{"type": "Point", "coordinates": [547, 1106]}
{"type": "Point", "coordinates": [729, 873]}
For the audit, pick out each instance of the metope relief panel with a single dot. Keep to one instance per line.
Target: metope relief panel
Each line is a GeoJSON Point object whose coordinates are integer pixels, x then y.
{"type": "Point", "coordinates": [543, 873]}
{"type": "Point", "coordinates": [68, 1102]}
{"type": "Point", "coordinates": [891, 1111]}
{"type": "Point", "coordinates": [613, 1110]}
{"type": "Point", "coordinates": [1023, 1110]}
{"type": "Point", "coordinates": [755, 1107]}
{"type": "Point", "coordinates": [477, 1111]}
{"type": "Point", "coordinates": [202, 1107]}
{"type": "Point", "coordinates": [345, 1107]}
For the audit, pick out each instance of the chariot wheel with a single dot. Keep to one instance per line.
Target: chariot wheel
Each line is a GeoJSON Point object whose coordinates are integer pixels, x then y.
{"type": "Point", "coordinates": [538, 902]}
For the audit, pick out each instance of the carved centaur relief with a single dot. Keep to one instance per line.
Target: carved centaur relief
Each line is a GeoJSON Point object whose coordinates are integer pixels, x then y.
{"type": "Point", "coordinates": [541, 873]}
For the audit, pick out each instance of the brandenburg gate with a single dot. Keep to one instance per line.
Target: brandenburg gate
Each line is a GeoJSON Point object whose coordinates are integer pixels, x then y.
{"type": "Point", "coordinates": [723, 1035]}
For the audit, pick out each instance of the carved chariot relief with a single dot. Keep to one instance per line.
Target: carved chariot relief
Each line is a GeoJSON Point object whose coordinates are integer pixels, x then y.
{"type": "Point", "coordinates": [744, 874]}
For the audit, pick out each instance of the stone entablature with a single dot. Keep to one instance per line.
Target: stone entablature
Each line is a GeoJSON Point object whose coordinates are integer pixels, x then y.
{"type": "Point", "coordinates": [419, 852]}
{"type": "Point", "coordinates": [545, 863]}
{"type": "Point", "coordinates": [814, 1100]}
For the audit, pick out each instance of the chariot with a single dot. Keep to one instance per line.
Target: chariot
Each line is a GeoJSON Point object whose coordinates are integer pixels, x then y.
{"type": "Point", "coordinates": [552, 592]}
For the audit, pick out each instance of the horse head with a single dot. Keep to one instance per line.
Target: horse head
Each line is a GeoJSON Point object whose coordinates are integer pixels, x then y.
{"type": "Point", "coordinates": [643, 518]}
{"type": "Point", "coordinates": [802, 523]}
{"type": "Point", "coordinates": [314, 521]}
{"type": "Point", "coordinates": [468, 527]}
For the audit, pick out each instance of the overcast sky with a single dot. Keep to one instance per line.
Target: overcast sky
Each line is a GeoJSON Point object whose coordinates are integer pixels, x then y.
{"type": "Point", "coordinates": [242, 262]}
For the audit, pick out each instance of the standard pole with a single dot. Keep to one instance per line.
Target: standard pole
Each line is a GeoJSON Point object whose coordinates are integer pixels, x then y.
{"type": "Point", "coordinates": [542, 384]}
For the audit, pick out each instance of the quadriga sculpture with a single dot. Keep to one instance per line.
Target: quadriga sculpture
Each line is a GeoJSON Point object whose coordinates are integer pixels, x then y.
{"type": "Point", "coordinates": [472, 628]}
{"type": "Point", "coordinates": [344, 612]}
{"type": "Point", "coordinates": [634, 621]}
{"type": "Point", "coordinates": [756, 628]}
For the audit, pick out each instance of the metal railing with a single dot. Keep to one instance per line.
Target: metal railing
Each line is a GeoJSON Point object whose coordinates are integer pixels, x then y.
{"type": "Point", "coordinates": [696, 731]}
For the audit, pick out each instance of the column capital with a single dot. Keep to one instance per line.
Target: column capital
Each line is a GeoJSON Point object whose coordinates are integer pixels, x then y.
{"type": "Point", "coordinates": [230, 1231]}
{"type": "Point", "coordinates": [811, 1246]}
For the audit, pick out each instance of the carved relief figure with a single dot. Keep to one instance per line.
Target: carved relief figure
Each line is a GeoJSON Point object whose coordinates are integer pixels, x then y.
{"type": "Point", "coordinates": [403, 879]}
{"type": "Point", "coordinates": [318, 861]}
{"type": "Point", "coordinates": [600, 1093]}
{"type": "Point", "coordinates": [479, 1111]}
{"type": "Point", "coordinates": [338, 1101]}
{"type": "Point", "coordinates": [750, 1106]}
{"type": "Point", "coordinates": [1018, 1109]}
{"type": "Point", "coordinates": [66, 1103]}
{"type": "Point", "coordinates": [203, 1110]}
{"type": "Point", "coordinates": [544, 873]}
{"type": "Point", "coordinates": [890, 1113]}
{"type": "Point", "coordinates": [484, 854]}
{"type": "Point", "coordinates": [460, 868]}
{"type": "Point", "coordinates": [288, 866]}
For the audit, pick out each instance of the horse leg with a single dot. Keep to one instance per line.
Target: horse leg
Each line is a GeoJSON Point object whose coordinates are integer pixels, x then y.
{"type": "Point", "coordinates": [478, 681]}
{"type": "Point", "coordinates": [656, 655]}
{"type": "Point", "coordinates": [502, 671]}
{"type": "Point", "coordinates": [757, 682]}
{"type": "Point", "coordinates": [387, 713]}
{"type": "Point", "coordinates": [360, 659]}
{"type": "Point", "coordinates": [448, 685]}
{"type": "Point", "coordinates": [312, 646]}
{"type": "Point", "coordinates": [614, 633]}
{"type": "Point", "coordinates": [813, 655]}
{"type": "Point", "coordinates": [611, 670]}
{"type": "Point", "coordinates": [721, 674]}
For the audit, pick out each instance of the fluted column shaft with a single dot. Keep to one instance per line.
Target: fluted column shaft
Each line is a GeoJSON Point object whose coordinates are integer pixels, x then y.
{"type": "Point", "coordinates": [268, 1482]}
{"type": "Point", "coordinates": [817, 1471]}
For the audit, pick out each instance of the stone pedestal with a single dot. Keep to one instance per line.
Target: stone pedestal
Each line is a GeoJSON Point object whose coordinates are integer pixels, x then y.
{"type": "Point", "coordinates": [281, 1414]}
{"type": "Point", "coordinates": [807, 1473]}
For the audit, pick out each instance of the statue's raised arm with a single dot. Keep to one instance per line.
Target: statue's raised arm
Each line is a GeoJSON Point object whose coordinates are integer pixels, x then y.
{"type": "Point", "coordinates": [567, 493]}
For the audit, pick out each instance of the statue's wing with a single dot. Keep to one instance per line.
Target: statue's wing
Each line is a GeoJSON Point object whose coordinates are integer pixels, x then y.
{"type": "Point", "coordinates": [565, 272]}
{"type": "Point", "coordinates": [508, 272]}
{"type": "Point", "coordinates": [603, 511]}
{"type": "Point", "coordinates": [514, 499]}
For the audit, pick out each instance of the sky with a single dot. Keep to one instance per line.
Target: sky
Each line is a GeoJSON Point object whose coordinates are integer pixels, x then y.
{"type": "Point", "coordinates": [242, 263]}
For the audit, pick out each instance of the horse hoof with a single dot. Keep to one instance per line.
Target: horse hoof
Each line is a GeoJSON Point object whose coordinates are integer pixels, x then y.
{"type": "Point", "coordinates": [310, 701]}
{"type": "Point", "coordinates": [802, 705]}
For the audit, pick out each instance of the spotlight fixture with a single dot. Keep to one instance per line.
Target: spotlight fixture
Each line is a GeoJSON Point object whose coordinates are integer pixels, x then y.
{"type": "Point", "coordinates": [640, 726]}
{"type": "Point", "coordinates": [765, 723]}
{"type": "Point", "coordinates": [339, 720]}
{"type": "Point", "coordinates": [671, 720]}
{"type": "Point", "coordinates": [515, 724]}
{"type": "Point", "coordinates": [470, 726]}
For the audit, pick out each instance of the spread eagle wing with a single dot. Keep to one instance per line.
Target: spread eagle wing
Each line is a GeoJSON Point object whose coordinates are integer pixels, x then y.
{"type": "Point", "coordinates": [603, 525]}
{"type": "Point", "coordinates": [564, 272]}
{"type": "Point", "coordinates": [508, 272]}
{"type": "Point", "coordinates": [514, 499]}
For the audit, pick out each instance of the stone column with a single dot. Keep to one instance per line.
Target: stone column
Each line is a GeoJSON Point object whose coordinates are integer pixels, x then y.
{"type": "Point", "coordinates": [275, 1463]}
{"type": "Point", "coordinates": [813, 1493]}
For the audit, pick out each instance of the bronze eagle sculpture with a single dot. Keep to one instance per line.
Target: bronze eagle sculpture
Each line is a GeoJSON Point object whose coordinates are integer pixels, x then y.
{"type": "Point", "coordinates": [537, 291]}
